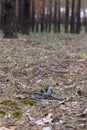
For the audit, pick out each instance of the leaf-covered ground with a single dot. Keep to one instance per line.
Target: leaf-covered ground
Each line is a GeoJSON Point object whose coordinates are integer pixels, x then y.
{"type": "Point", "coordinates": [34, 62]}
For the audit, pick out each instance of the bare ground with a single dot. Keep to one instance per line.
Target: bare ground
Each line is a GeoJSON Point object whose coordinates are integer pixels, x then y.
{"type": "Point", "coordinates": [29, 64]}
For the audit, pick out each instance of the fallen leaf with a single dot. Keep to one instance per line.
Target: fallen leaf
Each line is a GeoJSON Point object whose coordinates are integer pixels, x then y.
{"type": "Point", "coordinates": [4, 128]}
{"type": "Point", "coordinates": [82, 65]}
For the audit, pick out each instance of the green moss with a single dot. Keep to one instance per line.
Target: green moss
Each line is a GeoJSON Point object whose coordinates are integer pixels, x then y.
{"type": "Point", "coordinates": [3, 60]}
{"type": "Point", "coordinates": [8, 102]}
{"type": "Point", "coordinates": [2, 113]}
{"type": "Point", "coordinates": [15, 107]}
{"type": "Point", "coordinates": [11, 104]}
{"type": "Point", "coordinates": [29, 102]}
{"type": "Point", "coordinates": [17, 114]}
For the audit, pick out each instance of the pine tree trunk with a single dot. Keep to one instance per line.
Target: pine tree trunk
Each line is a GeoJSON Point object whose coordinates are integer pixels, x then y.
{"type": "Point", "coordinates": [55, 16]}
{"type": "Point", "coordinates": [33, 16]}
{"type": "Point", "coordinates": [9, 27]}
{"type": "Point", "coordinates": [59, 16]}
{"type": "Point", "coordinates": [20, 14]}
{"type": "Point", "coordinates": [26, 16]}
{"type": "Point", "coordinates": [43, 15]}
{"type": "Point", "coordinates": [78, 17]}
{"type": "Point", "coordinates": [67, 16]}
{"type": "Point", "coordinates": [85, 24]}
{"type": "Point", "coordinates": [72, 24]}
{"type": "Point", "coordinates": [50, 15]}
{"type": "Point", "coordinates": [0, 14]}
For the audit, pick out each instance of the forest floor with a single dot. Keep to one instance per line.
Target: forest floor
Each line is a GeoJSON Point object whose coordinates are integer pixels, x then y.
{"type": "Point", "coordinates": [31, 64]}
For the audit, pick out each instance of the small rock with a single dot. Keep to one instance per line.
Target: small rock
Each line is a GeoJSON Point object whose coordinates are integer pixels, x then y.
{"type": "Point", "coordinates": [47, 128]}
{"type": "Point", "coordinates": [47, 120]}
{"type": "Point", "coordinates": [85, 112]}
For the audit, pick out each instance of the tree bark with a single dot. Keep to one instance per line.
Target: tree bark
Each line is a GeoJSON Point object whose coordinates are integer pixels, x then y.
{"type": "Point", "coordinates": [20, 14]}
{"type": "Point", "coordinates": [26, 11]}
{"type": "Point", "coordinates": [78, 27]}
{"type": "Point", "coordinates": [72, 24]}
{"type": "Point", "coordinates": [67, 16]}
{"type": "Point", "coordinates": [9, 27]}
{"type": "Point", "coordinates": [33, 16]}
{"type": "Point", "coordinates": [43, 15]}
{"type": "Point", "coordinates": [50, 15]}
{"type": "Point", "coordinates": [55, 16]}
{"type": "Point", "coordinates": [59, 16]}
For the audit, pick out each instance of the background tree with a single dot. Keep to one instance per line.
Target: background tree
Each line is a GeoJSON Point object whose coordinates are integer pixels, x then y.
{"type": "Point", "coordinates": [72, 24]}
{"type": "Point", "coordinates": [20, 14]}
{"type": "Point", "coordinates": [0, 13]}
{"type": "Point", "coordinates": [50, 15]}
{"type": "Point", "coordinates": [33, 15]}
{"type": "Point", "coordinates": [66, 16]}
{"type": "Point", "coordinates": [55, 16]}
{"type": "Point", "coordinates": [43, 16]}
{"type": "Point", "coordinates": [9, 27]}
{"type": "Point", "coordinates": [26, 16]}
{"type": "Point", "coordinates": [59, 16]}
{"type": "Point", "coordinates": [78, 17]}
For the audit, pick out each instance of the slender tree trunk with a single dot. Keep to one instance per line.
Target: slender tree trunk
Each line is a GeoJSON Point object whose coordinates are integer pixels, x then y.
{"type": "Point", "coordinates": [59, 16]}
{"type": "Point", "coordinates": [46, 22]}
{"type": "Point", "coordinates": [9, 28]}
{"type": "Point", "coordinates": [43, 15]}
{"type": "Point", "coordinates": [26, 16]}
{"type": "Point", "coordinates": [50, 15]}
{"type": "Point", "coordinates": [67, 16]}
{"type": "Point", "coordinates": [78, 17]}
{"type": "Point", "coordinates": [85, 24]}
{"type": "Point", "coordinates": [72, 24]}
{"type": "Point", "coordinates": [33, 16]}
{"type": "Point", "coordinates": [37, 26]}
{"type": "Point", "coordinates": [55, 16]}
{"type": "Point", "coordinates": [0, 14]}
{"type": "Point", "coordinates": [20, 14]}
